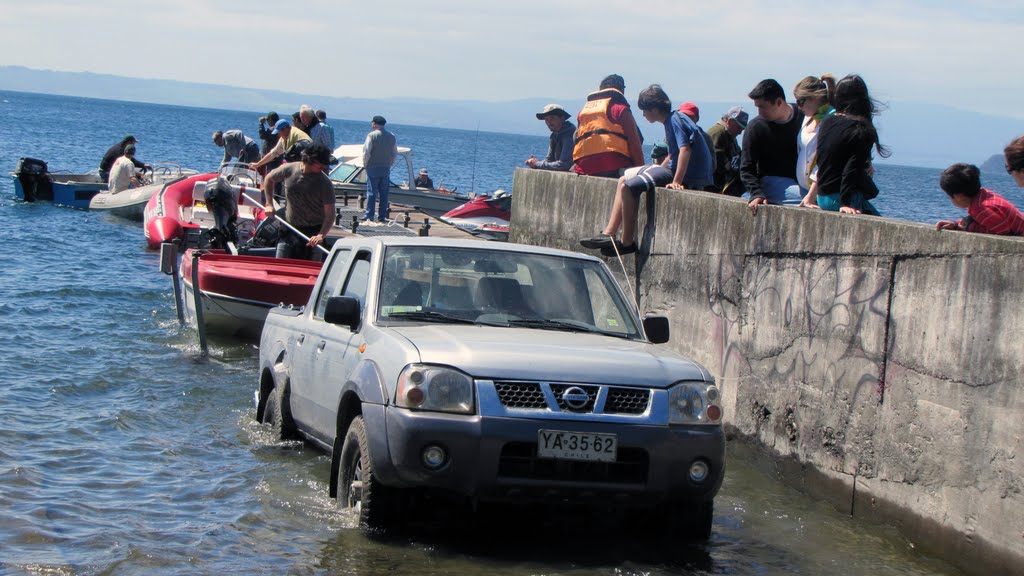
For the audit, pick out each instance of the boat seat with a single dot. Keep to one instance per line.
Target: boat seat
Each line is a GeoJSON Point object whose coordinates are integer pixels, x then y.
{"type": "Point", "coordinates": [501, 294]}
{"type": "Point", "coordinates": [410, 295]}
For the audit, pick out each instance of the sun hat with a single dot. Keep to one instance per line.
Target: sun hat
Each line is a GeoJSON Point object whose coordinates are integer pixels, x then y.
{"type": "Point", "coordinates": [552, 109]}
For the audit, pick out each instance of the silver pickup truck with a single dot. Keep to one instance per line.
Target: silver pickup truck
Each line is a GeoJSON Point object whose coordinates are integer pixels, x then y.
{"type": "Point", "coordinates": [493, 372]}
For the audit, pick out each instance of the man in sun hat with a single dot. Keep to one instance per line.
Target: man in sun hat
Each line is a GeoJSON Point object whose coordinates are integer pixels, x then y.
{"type": "Point", "coordinates": [727, 151]}
{"type": "Point", "coordinates": [309, 202]}
{"type": "Point", "coordinates": [423, 179]}
{"type": "Point", "coordinates": [562, 139]}
{"type": "Point", "coordinates": [115, 152]}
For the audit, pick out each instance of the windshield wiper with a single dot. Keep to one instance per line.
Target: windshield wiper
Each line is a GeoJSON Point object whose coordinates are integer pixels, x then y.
{"type": "Point", "coordinates": [428, 316]}
{"type": "Point", "coordinates": [552, 324]}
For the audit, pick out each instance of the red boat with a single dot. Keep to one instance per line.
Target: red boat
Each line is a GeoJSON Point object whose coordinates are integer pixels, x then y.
{"type": "Point", "coordinates": [182, 210]}
{"type": "Point", "coordinates": [483, 215]}
{"type": "Point", "coordinates": [237, 291]}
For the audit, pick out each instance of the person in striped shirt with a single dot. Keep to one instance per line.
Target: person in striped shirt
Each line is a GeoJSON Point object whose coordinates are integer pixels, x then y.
{"type": "Point", "coordinates": [987, 212]}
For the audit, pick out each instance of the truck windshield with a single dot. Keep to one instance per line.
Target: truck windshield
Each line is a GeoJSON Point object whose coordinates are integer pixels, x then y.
{"type": "Point", "coordinates": [504, 288]}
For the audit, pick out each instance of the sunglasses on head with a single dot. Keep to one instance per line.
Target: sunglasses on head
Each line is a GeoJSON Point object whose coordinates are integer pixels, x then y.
{"type": "Point", "coordinates": [801, 101]}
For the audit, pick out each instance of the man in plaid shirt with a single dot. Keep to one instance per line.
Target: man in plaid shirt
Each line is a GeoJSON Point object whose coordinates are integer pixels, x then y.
{"type": "Point", "coordinates": [987, 212]}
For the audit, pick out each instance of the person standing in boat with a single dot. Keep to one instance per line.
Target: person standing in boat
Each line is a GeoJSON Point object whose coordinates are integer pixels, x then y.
{"type": "Point", "coordinates": [122, 173]}
{"type": "Point", "coordinates": [379, 153]}
{"type": "Point", "coordinates": [309, 202]}
{"type": "Point", "coordinates": [560, 146]}
{"type": "Point", "coordinates": [269, 139]}
{"type": "Point", "coordinates": [288, 136]}
{"type": "Point", "coordinates": [115, 152]}
{"type": "Point", "coordinates": [236, 145]}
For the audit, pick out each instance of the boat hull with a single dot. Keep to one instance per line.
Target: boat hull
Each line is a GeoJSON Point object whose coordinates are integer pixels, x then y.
{"type": "Point", "coordinates": [237, 292]}
{"type": "Point", "coordinates": [71, 190]}
{"type": "Point", "coordinates": [130, 203]}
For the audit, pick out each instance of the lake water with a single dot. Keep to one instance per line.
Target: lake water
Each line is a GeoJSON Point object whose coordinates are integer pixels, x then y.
{"type": "Point", "coordinates": [123, 451]}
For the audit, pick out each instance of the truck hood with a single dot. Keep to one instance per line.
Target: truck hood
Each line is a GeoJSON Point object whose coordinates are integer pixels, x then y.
{"type": "Point", "coordinates": [547, 355]}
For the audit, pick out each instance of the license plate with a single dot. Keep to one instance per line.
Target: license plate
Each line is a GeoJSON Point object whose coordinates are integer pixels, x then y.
{"type": "Point", "coordinates": [564, 445]}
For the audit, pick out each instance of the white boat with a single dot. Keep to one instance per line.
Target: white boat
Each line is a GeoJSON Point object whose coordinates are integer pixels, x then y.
{"type": "Point", "coordinates": [131, 203]}
{"type": "Point", "coordinates": [349, 178]}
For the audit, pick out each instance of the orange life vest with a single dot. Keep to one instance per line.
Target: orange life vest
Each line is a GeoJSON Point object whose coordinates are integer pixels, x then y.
{"type": "Point", "coordinates": [596, 132]}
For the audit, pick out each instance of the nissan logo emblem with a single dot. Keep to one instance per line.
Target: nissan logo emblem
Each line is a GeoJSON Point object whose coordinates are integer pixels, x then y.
{"type": "Point", "coordinates": [575, 397]}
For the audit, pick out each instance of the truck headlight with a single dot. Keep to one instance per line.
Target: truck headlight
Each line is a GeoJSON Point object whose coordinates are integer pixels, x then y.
{"type": "Point", "coordinates": [694, 403]}
{"type": "Point", "coordinates": [437, 388]}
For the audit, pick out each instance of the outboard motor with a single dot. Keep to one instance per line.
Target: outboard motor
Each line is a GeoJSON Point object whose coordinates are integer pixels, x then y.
{"type": "Point", "coordinates": [35, 182]}
{"type": "Point", "coordinates": [222, 204]}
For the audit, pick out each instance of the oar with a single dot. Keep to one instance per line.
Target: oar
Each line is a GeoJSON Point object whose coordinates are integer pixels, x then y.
{"type": "Point", "coordinates": [285, 222]}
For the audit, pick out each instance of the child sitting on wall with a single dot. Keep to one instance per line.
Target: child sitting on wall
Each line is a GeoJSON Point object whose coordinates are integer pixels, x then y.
{"type": "Point", "coordinates": [987, 212]}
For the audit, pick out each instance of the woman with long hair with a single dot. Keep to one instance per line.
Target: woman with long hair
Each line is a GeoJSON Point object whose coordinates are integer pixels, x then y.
{"type": "Point", "coordinates": [845, 140]}
{"type": "Point", "coordinates": [813, 96]}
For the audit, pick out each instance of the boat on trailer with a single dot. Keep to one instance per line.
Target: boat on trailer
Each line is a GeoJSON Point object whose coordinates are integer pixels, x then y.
{"type": "Point", "coordinates": [237, 291]}
{"type": "Point", "coordinates": [182, 211]}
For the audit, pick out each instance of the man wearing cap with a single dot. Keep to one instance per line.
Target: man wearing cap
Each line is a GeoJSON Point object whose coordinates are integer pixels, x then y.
{"type": "Point", "coordinates": [379, 153]}
{"type": "Point", "coordinates": [115, 152]}
{"type": "Point", "coordinates": [288, 136]}
{"type": "Point", "coordinates": [236, 145]}
{"type": "Point", "coordinates": [269, 140]}
{"type": "Point", "coordinates": [727, 151]}
{"type": "Point", "coordinates": [122, 173]}
{"type": "Point", "coordinates": [309, 202]}
{"type": "Point", "coordinates": [607, 140]}
{"type": "Point", "coordinates": [423, 180]}
{"type": "Point", "coordinates": [690, 110]}
{"type": "Point", "coordinates": [560, 147]}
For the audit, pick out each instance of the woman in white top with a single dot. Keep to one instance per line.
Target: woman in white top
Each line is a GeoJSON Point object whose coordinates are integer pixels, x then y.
{"type": "Point", "coordinates": [813, 96]}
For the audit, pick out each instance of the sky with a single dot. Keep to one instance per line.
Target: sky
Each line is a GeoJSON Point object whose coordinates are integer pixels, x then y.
{"type": "Point", "coordinates": [960, 54]}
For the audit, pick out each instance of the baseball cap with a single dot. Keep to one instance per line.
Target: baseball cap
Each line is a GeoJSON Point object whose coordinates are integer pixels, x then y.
{"type": "Point", "coordinates": [739, 115]}
{"type": "Point", "coordinates": [552, 109]}
{"type": "Point", "coordinates": [282, 123]}
{"type": "Point", "coordinates": [319, 153]}
{"type": "Point", "coordinates": [690, 109]}
{"type": "Point", "coordinates": [660, 151]}
{"type": "Point", "coordinates": [379, 120]}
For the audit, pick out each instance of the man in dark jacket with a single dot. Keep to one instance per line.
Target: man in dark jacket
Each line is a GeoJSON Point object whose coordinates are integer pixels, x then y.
{"type": "Point", "coordinates": [562, 139]}
{"type": "Point", "coordinates": [115, 152]}
{"type": "Point", "coordinates": [269, 137]}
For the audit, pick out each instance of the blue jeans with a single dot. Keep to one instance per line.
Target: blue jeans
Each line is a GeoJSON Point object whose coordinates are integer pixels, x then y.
{"type": "Point", "coordinates": [781, 190]}
{"type": "Point", "coordinates": [377, 185]}
{"type": "Point", "coordinates": [831, 202]}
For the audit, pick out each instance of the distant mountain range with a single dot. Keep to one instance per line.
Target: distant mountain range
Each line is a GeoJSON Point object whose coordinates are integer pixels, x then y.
{"type": "Point", "coordinates": [919, 134]}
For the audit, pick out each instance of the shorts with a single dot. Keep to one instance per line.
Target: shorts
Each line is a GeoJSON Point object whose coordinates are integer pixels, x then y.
{"type": "Point", "coordinates": [646, 178]}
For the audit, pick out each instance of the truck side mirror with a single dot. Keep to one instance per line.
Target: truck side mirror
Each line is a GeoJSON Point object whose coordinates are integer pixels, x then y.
{"type": "Point", "coordinates": [342, 310]}
{"type": "Point", "coordinates": [656, 328]}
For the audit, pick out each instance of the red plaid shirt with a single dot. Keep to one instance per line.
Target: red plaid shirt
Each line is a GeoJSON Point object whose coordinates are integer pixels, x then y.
{"type": "Point", "coordinates": [990, 213]}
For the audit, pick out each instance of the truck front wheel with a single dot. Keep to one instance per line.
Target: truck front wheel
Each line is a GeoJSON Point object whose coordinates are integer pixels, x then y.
{"type": "Point", "coordinates": [358, 487]}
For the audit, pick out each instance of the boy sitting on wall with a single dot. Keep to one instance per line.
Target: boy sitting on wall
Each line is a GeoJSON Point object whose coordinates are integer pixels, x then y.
{"type": "Point", "coordinates": [987, 212]}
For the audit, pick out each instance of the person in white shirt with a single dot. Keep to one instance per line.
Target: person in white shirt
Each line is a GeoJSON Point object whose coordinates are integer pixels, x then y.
{"type": "Point", "coordinates": [122, 173]}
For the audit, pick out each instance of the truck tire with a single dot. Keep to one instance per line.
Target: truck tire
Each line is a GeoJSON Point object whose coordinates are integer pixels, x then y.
{"type": "Point", "coordinates": [358, 487]}
{"type": "Point", "coordinates": [277, 414]}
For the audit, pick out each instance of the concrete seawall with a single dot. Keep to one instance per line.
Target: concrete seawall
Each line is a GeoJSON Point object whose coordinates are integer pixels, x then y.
{"type": "Point", "coordinates": [876, 363]}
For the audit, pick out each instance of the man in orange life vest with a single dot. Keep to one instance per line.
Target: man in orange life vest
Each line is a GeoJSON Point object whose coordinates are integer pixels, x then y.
{"type": "Point", "coordinates": [607, 138]}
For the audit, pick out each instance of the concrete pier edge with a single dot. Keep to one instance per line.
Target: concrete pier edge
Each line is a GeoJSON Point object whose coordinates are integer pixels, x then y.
{"type": "Point", "coordinates": [876, 362]}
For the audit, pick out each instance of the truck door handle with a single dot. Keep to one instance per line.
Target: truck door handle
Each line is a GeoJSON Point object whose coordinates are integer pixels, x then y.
{"type": "Point", "coordinates": [320, 346]}
{"type": "Point", "coordinates": [302, 338]}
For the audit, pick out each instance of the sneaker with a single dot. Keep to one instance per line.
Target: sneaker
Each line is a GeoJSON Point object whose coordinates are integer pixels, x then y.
{"type": "Point", "coordinates": [610, 250]}
{"type": "Point", "coordinates": [598, 241]}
